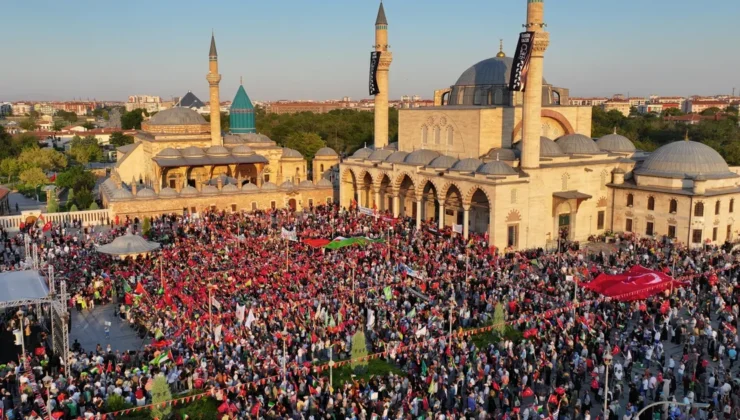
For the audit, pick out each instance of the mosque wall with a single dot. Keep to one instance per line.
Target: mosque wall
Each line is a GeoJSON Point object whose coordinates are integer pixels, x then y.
{"type": "Point", "coordinates": [133, 167]}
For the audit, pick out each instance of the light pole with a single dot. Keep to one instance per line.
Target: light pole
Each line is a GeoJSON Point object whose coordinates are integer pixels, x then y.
{"type": "Point", "coordinates": [607, 363]}
{"type": "Point", "coordinates": [23, 337]}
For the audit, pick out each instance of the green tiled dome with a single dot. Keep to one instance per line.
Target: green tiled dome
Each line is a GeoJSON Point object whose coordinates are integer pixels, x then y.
{"type": "Point", "coordinates": [241, 115]}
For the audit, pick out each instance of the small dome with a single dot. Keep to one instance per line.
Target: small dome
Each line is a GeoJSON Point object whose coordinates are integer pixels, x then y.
{"type": "Point", "coordinates": [267, 186]}
{"type": "Point", "coordinates": [615, 143]}
{"type": "Point", "coordinates": [121, 194]}
{"type": "Point", "coordinates": [548, 148]}
{"type": "Point", "coordinates": [223, 178]}
{"type": "Point", "coordinates": [468, 165]}
{"type": "Point", "coordinates": [326, 151]}
{"type": "Point", "coordinates": [306, 184]}
{"type": "Point", "coordinates": [379, 155]}
{"type": "Point", "coordinates": [177, 116]}
{"type": "Point", "coordinates": [287, 185]}
{"type": "Point", "coordinates": [252, 187]}
{"type": "Point", "coordinates": [168, 192]}
{"type": "Point", "coordinates": [392, 146]}
{"type": "Point", "coordinates": [500, 153]}
{"type": "Point", "coordinates": [169, 153]}
{"type": "Point", "coordinates": [146, 193]}
{"type": "Point", "coordinates": [324, 183]}
{"type": "Point", "coordinates": [363, 153]}
{"type": "Point", "coordinates": [192, 151]}
{"type": "Point", "coordinates": [685, 159]}
{"type": "Point", "coordinates": [229, 188]}
{"type": "Point", "coordinates": [291, 154]}
{"type": "Point", "coordinates": [233, 139]}
{"type": "Point", "coordinates": [188, 191]}
{"type": "Point", "coordinates": [209, 190]}
{"type": "Point", "coordinates": [496, 167]}
{"type": "Point", "coordinates": [242, 150]}
{"type": "Point", "coordinates": [255, 138]}
{"type": "Point", "coordinates": [443, 162]}
{"type": "Point", "coordinates": [217, 151]}
{"type": "Point", "coordinates": [397, 157]}
{"type": "Point", "coordinates": [577, 144]}
{"type": "Point", "coordinates": [421, 157]}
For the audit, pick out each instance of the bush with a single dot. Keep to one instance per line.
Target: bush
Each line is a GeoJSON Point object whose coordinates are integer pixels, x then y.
{"type": "Point", "coordinates": [146, 226]}
{"type": "Point", "coordinates": [94, 206]}
{"type": "Point", "coordinates": [52, 206]}
{"type": "Point", "coordinates": [84, 199]}
{"type": "Point", "coordinates": [116, 403]}
{"type": "Point", "coordinates": [202, 409]}
{"type": "Point", "coordinates": [73, 208]}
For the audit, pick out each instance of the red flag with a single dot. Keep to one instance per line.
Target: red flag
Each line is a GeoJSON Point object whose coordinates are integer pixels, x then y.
{"type": "Point", "coordinates": [637, 283]}
{"type": "Point", "coordinates": [47, 227]}
{"type": "Point", "coordinates": [527, 392]}
{"type": "Point", "coordinates": [496, 386]}
{"type": "Point", "coordinates": [665, 307]}
{"type": "Point", "coordinates": [255, 411]}
{"type": "Point", "coordinates": [128, 300]}
{"type": "Point", "coordinates": [615, 350]}
{"type": "Point", "coordinates": [139, 289]}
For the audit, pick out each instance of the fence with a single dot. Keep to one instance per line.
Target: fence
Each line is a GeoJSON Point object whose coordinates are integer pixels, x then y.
{"type": "Point", "coordinates": [88, 218]}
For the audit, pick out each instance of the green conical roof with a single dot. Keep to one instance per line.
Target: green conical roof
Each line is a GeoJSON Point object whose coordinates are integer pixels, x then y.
{"type": "Point", "coordinates": [241, 100]}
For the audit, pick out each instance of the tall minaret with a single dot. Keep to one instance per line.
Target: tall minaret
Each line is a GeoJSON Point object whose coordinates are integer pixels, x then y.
{"type": "Point", "coordinates": [532, 125]}
{"type": "Point", "coordinates": [381, 99]}
{"type": "Point", "coordinates": [213, 79]}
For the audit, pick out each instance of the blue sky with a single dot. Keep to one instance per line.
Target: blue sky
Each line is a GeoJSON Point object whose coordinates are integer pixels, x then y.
{"type": "Point", "coordinates": [319, 49]}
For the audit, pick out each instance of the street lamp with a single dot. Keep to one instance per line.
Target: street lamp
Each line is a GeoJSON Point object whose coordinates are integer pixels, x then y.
{"type": "Point", "coordinates": [23, 335]}
{"type": "Point", "coordinates": [607, 363]}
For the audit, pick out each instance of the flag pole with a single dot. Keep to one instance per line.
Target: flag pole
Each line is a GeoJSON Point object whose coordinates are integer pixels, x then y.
{"type": "Point", "coordinates": [161, 272]}
{"type": "Point", "coordinates": [210, 310]}
{"type": "Point", "coordinates": [353, 285]}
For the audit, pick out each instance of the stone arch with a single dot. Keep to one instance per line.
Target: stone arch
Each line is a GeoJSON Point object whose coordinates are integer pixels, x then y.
{"type": "Point", "coordinates": [384, 186]}
{"type": "Point", "coordinates": [469, 194]}
{"type": "Point", "coordinates": [547, 113]}
{"type": "Point", "coordinates": [602, 202]}
{"type": "Point", "coordinates": [405, 187]}
{"type": "Point", "coordinates": [479, 203]}
{"type": "Point", "coordinates": [428, 192]}
{"type": "Point", "coordinates": [446, 187]}
{"type": "Point", "coordinates": [348, 187]}
{"type": "Point", "coordinates": [513, 216]}
{"type": "Point", "coordinates": [399, 179]}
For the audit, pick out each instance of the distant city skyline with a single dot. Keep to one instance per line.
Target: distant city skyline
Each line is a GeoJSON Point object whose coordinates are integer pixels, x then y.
{"type": "Point", "coordinates": [293, 49]}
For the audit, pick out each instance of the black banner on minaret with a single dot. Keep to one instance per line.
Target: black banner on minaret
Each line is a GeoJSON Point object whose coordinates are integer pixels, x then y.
{"type": "Point", "coordinates": [520, 65]}
{"type": "Point", "coordinates": [374, 61]}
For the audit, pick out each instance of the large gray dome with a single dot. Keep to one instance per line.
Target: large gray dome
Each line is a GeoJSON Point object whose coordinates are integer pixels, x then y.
{"type": "Point", "coordinates": [397, 157]}
{"type": "Point", "coordinates": [500, 153]}
{"type": "Point", "coordinates": [380, 155]}
{"type": "Point", "coordinates": [326, 151]}
{"type": "Point", "coordinates": [468, 165]}
{"type": "Point", "coordinates": [548, 148]}
{"type": "Point", "coordinates": [496, 168]}
{"type": "Point", "coordinates": [685, 159]}
{"type": "Point", "coordinates": [363, 153]}
{"type": "Point", "coordinates": [615, 143]}
{"type": "Point", "coordinates": [577, 144]}
{"type": "Point", "coordinates": [421, 157]}
{"type": "Point", "coordinates": [443, 162]}
{"type": "Point", "coordinates": [291, 154]}
{"type": "Point", "coordinates": [177, 116]}
{"type": "Point", "coordinates": [491, 71]}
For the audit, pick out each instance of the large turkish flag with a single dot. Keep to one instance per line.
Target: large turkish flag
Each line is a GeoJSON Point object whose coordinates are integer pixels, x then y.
{"type": "Point", "coordinates": [635, 284]}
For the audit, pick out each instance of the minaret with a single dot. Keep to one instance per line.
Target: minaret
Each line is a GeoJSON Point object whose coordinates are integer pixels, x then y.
{"type": "Point", "coordinates": [381, 99]}
{"type": "Point", "coordinates": [532, 108]}
{"type": "Point", "coordinates": [213, 79]}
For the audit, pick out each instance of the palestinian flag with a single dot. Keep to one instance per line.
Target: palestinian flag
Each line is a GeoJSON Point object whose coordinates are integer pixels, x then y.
{"type": "Point", "coordinates": [163, 357]}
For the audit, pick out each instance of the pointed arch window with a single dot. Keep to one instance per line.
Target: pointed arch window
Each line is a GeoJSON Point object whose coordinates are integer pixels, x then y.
{"type": "Point", "coordinates": [478, 97]}
{"type": "Point", "coordinates": [630, 200]}
{"type": "Point", "coordinates": [498, 97]}
{"type": "Point", "coordinates": [437, 135]}
{"type": "Point", "coordinates": [651, 203]}
{"type": "Point", "coordinates": [450, 135]}
{"type": "Point", "coordinates": [699, 210]}
{"type": "Point", "coordinates": [716, 207]}
{"type": "Point", "coordinates": [673, 206]}
{"type": "Point", "coordinates": [424, 134]}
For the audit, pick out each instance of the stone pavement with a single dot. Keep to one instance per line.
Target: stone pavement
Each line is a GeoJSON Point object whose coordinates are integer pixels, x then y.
{"type": "Point", "coordinates": [88, 327]}
{"type": "Point", "coordinates": [24, 203]}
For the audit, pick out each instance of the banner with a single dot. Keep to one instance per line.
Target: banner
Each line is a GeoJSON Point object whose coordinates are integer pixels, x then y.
{"type": "Point", "coordinates": [637, 283]}
{"type": "Point", "coordinates": [374, 61]}
{"type": "Point", "coordinates": [520, 66]}
{"type": "Point", "coordinates": [215, 303]}
{"type": "Point", "coordinates": [457, 229]}
{"type": "Point", "coordinates": [366, 211]}
{"type": "Point", "coordinates": [290, 235]}
{"type": "Point", "coordinates": [240, 312]}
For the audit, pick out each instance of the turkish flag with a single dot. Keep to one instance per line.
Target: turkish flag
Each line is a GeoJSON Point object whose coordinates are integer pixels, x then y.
{"type": "Point", "coordinates": [637, 283]}
{"type": "Point", "coordinates": [47, 227]}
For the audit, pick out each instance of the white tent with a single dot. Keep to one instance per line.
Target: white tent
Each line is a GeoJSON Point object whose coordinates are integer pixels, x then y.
{"type": "Point", "coordinates": [25, 285]}
{"type": "Point", "coordinates": [128, 244]}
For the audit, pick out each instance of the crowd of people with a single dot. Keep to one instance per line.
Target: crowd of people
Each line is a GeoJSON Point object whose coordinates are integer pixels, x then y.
{"type": "Point", "coordinates": [231, 309]}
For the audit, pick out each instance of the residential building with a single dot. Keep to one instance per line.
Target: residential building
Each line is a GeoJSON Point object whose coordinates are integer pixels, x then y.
{"type": "Point", "coordinates": [621, 105]}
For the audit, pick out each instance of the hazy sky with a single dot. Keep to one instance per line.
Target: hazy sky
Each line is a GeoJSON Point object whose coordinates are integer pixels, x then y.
{"type": "Point", "coordinates": [319, 49]}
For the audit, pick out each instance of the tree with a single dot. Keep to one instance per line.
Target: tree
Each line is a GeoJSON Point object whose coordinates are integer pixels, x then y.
{"type": "Point", "coordinates": [70, 198]}
{"type": "Point", "coordinates": [70, 117]}
{"type": "Point", "coordinates": [499, 318]}
{"type": "Point", "coordinates": [132, 120]}
{"type": "Point", "coordinates": [359, 350]}
{"type": "Point", "coordinates": [52, 205]}
{"type": "Point", "coordinates": [46, 159]}
{"type": "Point", "coordinates": [29, 124]}
{"type": "Point", "coordinates": [634, 111]}
{"type": "Point", "coordinates": [76, 178]}
{"type": "Point", "coordinates": [9, 167]}
{"type": "Point", "coordinates": [34, 114]}
{"type": "Point", "coordinates": [306, 143]}
{"type": "Point", "coordinates": [119, 139]}
{"type": "Point", "coordinates": [711, 111]}
{"type": "Point", "coordinates": [85, 150]}
{"type": "Point", "coordinates": [160, 393]}
{"type": "Point", "coordinates": [88, 126]}
{"type": "Point", "coordinates": [225, 121]}
{"type": "Point", "coordinates": [73, 208]}
{"type": "Point", "coordinates": [84, 198]}
{"type": "Point", "coordinates": [94, 206]}
{"type": "Point", "coordinates": [58, 125]}
{"type": "Point", "coordinates": [732, 109]}
{"type": "Point", "coordinates": [672, 112]}
{"type": "Point", "coordinates": [34, 178]}
{"type": "Point", "coordinates": [146, 226]}
{"type": "Point", "coordinates": [23, 141]}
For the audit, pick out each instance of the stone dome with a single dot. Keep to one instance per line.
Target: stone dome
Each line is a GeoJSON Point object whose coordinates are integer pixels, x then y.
{"type": "Point", "coordinates": [548, 148]}
{"type": "Point", "coordinates": [209, 190]}
{"type": "Point", "coordinates": [491, 71]}
{"type": "Point", "coordinates": [500, 153]}
{"type": "Point", "coordinates": [363, 153]}
{"type": "Point", "coordinates": [233, 139]}
{"type": "Point", "coordinates": [217, 151]}
{"type": "Point", "coordinates": [615, 143]}
{"type": "Point", "coordinates": [323, 182]}
{"type": "Point", "coordinates": [380, 155]}
{"type": "Point", "coordinates": [229, 188]}
{"type": "Point", "coordinates": [326, 151]}
{"type": "Point", "coordinates": [177, 116]}
{"type": "Point", "coordinates": [287, 185]}
{"type": "Point", "coordinates": [496, 167]}
{"type": "Point", "coordinates": [192, 151]}
{"type": "Point", "coordinates": [577, 144]}
{"type": "Point", "coordinates": [421, 157]}
{"type": "Point", "coordinates": [392, 146]}
{"type": "Point", "coordinates": [255, 138]}
{"type": "Point", "coordinates": [188, 191]}
{"type": "Point", "coordinates": [242, 150]}
{"type": "Point", "coordinates": [443, 162]}
{"type": "Point", "coordinates": [252, 187]}
{"type": "Point", "coordinates": [685, 159]}
{"type": "Point", "coordinates": [168, 192]}
{"type": "Point", "coordinates": [291, 154]}
{"type": "Point", "coordinates": [397, 157]}
{"type": "Point", "coordinates": [121, 194]}
{"type": "Point", "coordinates": [468, 165]}
{"type": "Point", "coordinates": [306, 184]}
{"type": "Point", "coordinates": [169, 153]}
{"type": "Point", "coordinates": [267, 186]}
{"type": "Point", "coordinates": [146, 193]}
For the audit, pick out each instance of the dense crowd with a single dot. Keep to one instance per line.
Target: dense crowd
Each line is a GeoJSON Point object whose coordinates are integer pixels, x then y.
{"type": "Point", "coordinates": [430, 305]}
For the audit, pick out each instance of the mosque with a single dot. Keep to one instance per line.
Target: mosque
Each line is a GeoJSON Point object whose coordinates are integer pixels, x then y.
{"type": "Point", "coordinates": [522, 168]}
{"type": "Point", "coordinates": [180, 163]}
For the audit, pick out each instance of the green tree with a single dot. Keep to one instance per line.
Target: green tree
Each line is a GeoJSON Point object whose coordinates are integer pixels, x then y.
{"type": "Point", "coordinates": [634, 111]}
{"type": "Point", "coordinates": [132, 120]}
{"type": "Point", "coordinates": [119, 139]}
{"type": "Point", "coordinates": [160, 393]}
{"type": "Point", "coordinates": [29, 124]}
{"type": "Point", "coordinates": [732, 109]}
{"type": "Point", "coordinates": [88, 125]}
{"type": "Point", "coordinates": [94, 206]}
{"type": "Point", "coordinates": [34, 114]}
{"type": "Point", "coordinates": [70, 198]}
{"type": "Point", "coordinates": [58, 125]}
{"type": "Point", "coordinates": [225, 122]}
{"type": "Point", "coordinates": [76, 178]}
{"type": "Point", "coordinates": [46, 159]}
{"type": "Point", "coordinates": [85, 150]}
{"type": "Point", "coordinates": [711, 111]}
{"type": "Point", "coordinates": [146, 226]}
{"type": "Point", "coordinates": [672, 112]}
{"type": "Point", "coordinates": [499, 318]}
{"type": "Point", "coordinates": [34, 178]}
{"type": "Point", "coordinates": [306, 143]}
{"type": "Point", "coordinates": [359, 349]}
{"type": "Point", "coordinates": [73, 208]}
{"type": "Point", "coordinates": [68, 116]}
{"type": "Point", "coordinates": [83, 199]}
{"type": "Point", "coordinates": [9, 167]}
{"type": "Point", "coordinates": [52, 205]}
